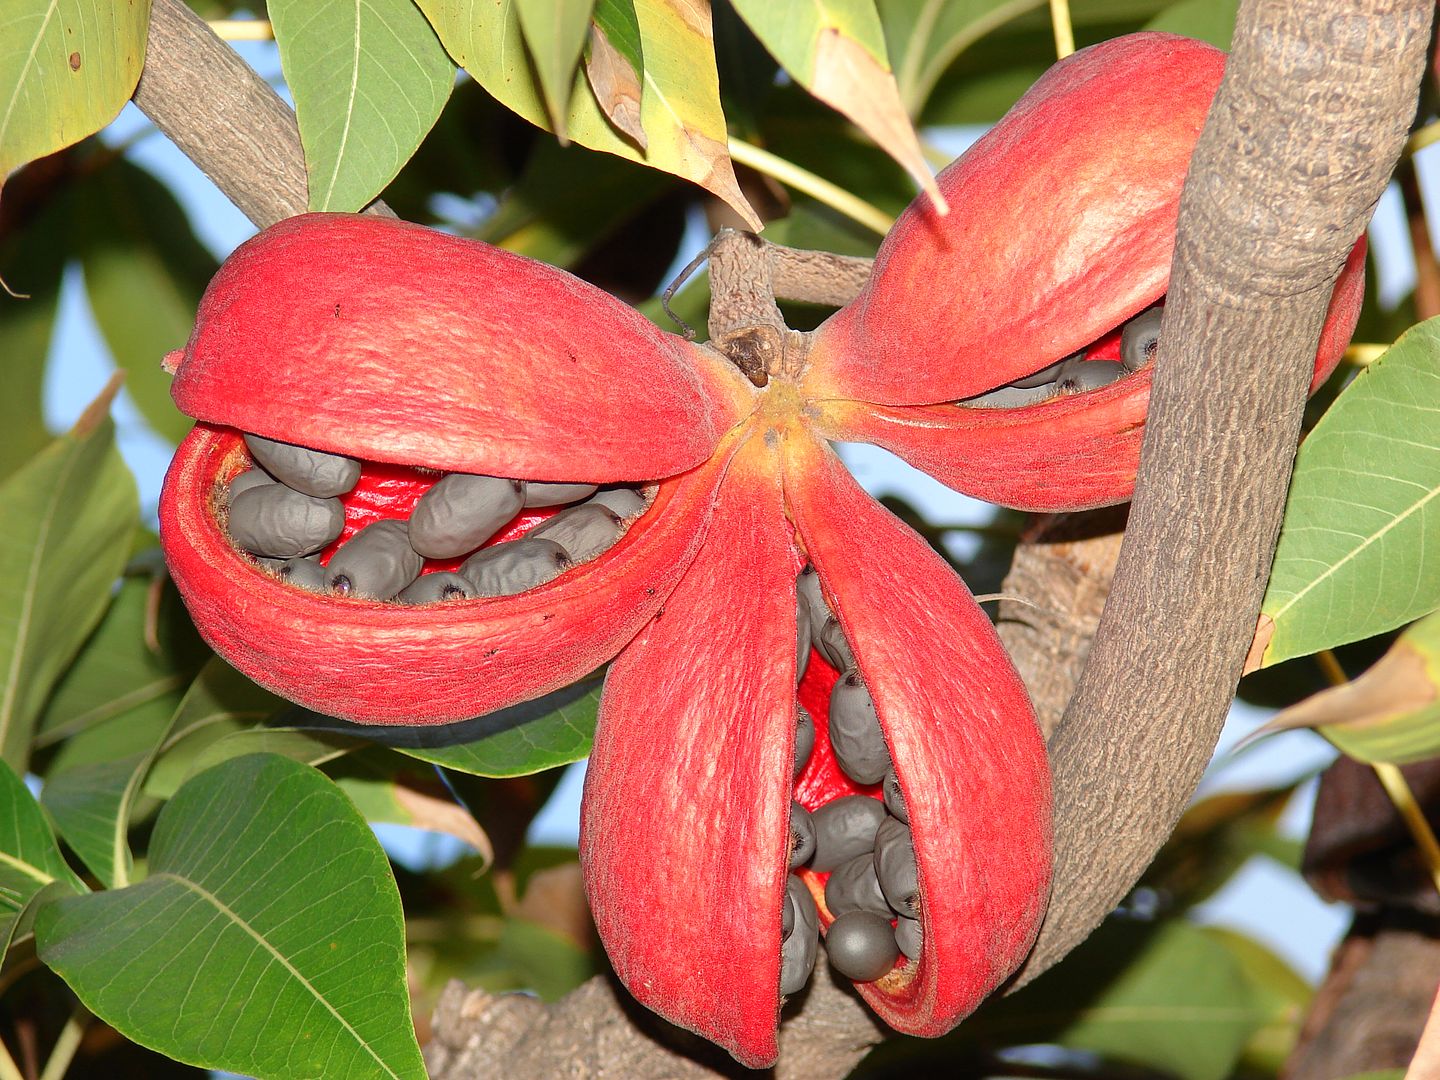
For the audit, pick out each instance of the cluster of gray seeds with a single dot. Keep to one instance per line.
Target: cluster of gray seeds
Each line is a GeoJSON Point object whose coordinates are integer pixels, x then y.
{"type": "Point", "coordinates": [1138, 340]}
{"type": "Point", "coordinates": [863, 843]}
{"type": "Point", "coordinates": [286, 509]}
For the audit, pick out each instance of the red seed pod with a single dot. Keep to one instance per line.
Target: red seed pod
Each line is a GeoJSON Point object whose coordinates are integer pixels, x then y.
{"type": "Point", "coordinates": [416, 353]}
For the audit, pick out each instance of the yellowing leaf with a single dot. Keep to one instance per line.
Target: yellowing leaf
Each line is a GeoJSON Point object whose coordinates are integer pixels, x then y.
{"type": "Point", "coordinates": [556, 31]}
{"type": "Point", "coordinates": [1389, 714]}
{"type": "Point", "coordinates": [836, 50]}
{"type": "Point", "coordinates": [67, 67]}
{"type": "Point", "coordinates": [680, 106]}
{"type": "Point", "coordinates": [616, 85]}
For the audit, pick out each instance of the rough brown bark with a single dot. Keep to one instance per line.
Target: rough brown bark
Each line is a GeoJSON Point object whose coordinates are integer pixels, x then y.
{"type": "Point", "coordinates": [1307, 126]}
{"type": "Point", "coordinates": [1373, 1004]}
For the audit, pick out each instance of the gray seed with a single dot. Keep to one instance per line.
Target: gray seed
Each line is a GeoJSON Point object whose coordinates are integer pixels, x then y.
{"type": "Point", "coordinates": [312, 471]}
{"type": "Point", "coordinates": [375, 563]}
{"type": "Point", "coordinates": [1012, 397]}
{"type": "Point", "coordinates": [802, 638]}
{"type": "Point", "coordinates": [461, 512]}
{"type": "Point", "coordinates": [248, 479]}
{"type": "Point", "coordinates": [515, 566]}
{"type": "Point", "coordinates": [908, 936]}
{"type": "Point", "coordinates": [1139, 338]}
{"type": "Point", "coordinates": [804, 738]}
{"type": "Point", "coordinates": [797, 953]}
{"type": "Point", "coordinates": [807, 588]}
{"type": "Point", "coordinates": [626, 502]}
{"type": "Point", "coordinates": [277, 520]}
{"type": "Point", "coordinates": [861, 945]}
{"type": "Point", "coordinates": [853, 886]}
{"type": "Point", "coordinates": [305, 574]}
{"type": "Point", "coordinates": [1041, 378]}
{"type": "Point", "coordinates": [802, 836]}
{"type": "Point", "coordinates": [436, 587]}
{"type": "Point", "coordinates": [833, 646]}
{"type": "Point", "coordinates": [895, 867]}
{"type": "Point", "coordinates": [894, 797]}
{"type": "Point", "coordinates": [1089, 375]}
{"type": "Point", "coordinates": [538, 494]}
{"type": "Point", "coordinates": [855, 731]}
{"type": "Point", "coordinates": [845, 827]}
{"type": "Point", "coordinates": [583, 531]}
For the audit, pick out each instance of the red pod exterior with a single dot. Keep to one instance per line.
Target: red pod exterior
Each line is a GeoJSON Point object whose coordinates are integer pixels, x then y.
{"type": "Point", "coordinates": [1061, 227]}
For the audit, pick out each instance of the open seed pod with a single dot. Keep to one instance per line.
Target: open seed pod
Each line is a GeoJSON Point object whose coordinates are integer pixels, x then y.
{"type": "Point", "coordinates": [401, 402]}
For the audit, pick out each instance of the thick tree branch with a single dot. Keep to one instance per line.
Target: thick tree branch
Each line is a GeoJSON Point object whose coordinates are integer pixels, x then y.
{"type": "Point", "coordinates": [1304, 132]}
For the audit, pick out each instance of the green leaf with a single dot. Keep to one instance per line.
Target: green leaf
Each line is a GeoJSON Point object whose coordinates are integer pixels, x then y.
{"type": "Point", "coordinates": [132, 670]}
{"type": "Point", "coordinates": [369, 81]}
{"type": "Point", "coordinates": [30, 858]}
{"type": "Point", "coordinates": [1359, 549]}
{"type": "Point", "coordinates": [1208, 20]}
{"type": "Point", "coordinates": [90, 806]}
{"type": "Point", "coordinates": [219, 703]}
{"type": "Point", "coordinates": [680, 108]}
{"type": "Point", "coordinates": [1168, 996]}
{"type": "Point", "coordinates": [268, 939]}
{"type": "Point", "coordinates": [93, 802]}
{"type": "Point", "coordinates": [553, 730]}
{"type": "Point", "coordinates": [836, 50]}
{"type": "Point", "coordinates": [141, 255]}
{"type": "Point", "coordinates": [568, 200]}
{"type": "Point", "coordinates": [32, 259]}
{"type": "Point", "coordinates": [541, 960]}
{"type": "Point", "coordinates": [555, 31]}
{"type": "Point", "coordinates": [69, 514]}
{"type": "Point", "coordinates": [67, 67]}
{"type": "Point", "coordinates": [1278, 990]}
{"type": "Point", "coordinates": [390, 789]}
{"type": "Point", "coordinates": [1389, 714]}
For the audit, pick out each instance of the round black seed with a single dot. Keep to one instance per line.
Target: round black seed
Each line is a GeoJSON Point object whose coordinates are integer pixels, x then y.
{"type": "Point", "coordinates": [1090, 375]}
{"type": "Point", "coordinates": [433, 588]}
{"type": "Point", "coordinates": [312, 471]}
{"type": "Point", "coordinates": [861, 945]}
{"type": "Point", "coordinates": [895, 867]}
{"type": "Point", "coordinates": [1140, 337]}
{"type": "Point", "coordinates": [797, 952]}
{"type": "Point", "coordinates": [802, 836]}
{"type": "Point", "coordinates": [830, 640]}
{"type": "Point", "coordinates": [515, 566]}
{"type": "Point", "coordinates": [845, 827]}
{"type": "Point", "coordinates": [894, 797]}
{"type": "Point", "coordinates": [804, 738]}
{"type": "Point", "coordinates": [374, 564]}
{"type": "Point", "coordinates": [1042, 377]}
{"type": "Point", "coordinates": [461, 512]}
{"type": "Point", "coordinates": [908, 937]}
{"type": "Point", "coordinates": [305, 574]}
{"type": "Point", "coordinates": [626, 502]}
{"type": "Point", "coordinates": [583, 531]}
{"type": "Point", "coordinates": [538, 494]}
{"type": "Point", "coordinates": [855, 731]}
{"type": "Point", "coordinates": [279, 521]}
{"type": "Point", "coordinates": [248, 479]}
{"type": "Point", "coordinates": [853, 886]}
